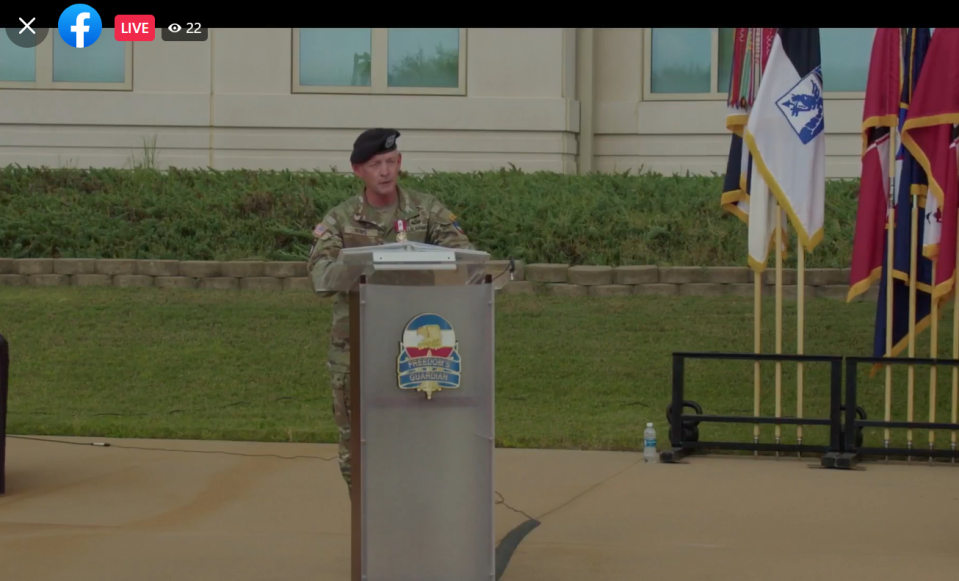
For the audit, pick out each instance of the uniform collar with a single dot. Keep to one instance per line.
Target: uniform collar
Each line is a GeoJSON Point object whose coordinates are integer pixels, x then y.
{"type": "Point", "coordinates": [367, 213]}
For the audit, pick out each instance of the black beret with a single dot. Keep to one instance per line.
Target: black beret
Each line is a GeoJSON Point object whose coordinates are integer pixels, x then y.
{"type": "Point", "coordinates": [373, 142]}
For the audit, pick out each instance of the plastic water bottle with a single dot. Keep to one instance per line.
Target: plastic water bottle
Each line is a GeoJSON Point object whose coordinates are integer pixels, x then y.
{"type": "Point", "coordinates": [649, 447]}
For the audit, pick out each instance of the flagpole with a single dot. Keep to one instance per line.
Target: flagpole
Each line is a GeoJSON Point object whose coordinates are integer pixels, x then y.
{"type": "Point", "coordinates": [913, 248]}
{"type": "Point", "coordinates": [779, 320]}
{"type": "Point", "coordinates": [800, 325]}
{"type": "Point", "coordinates": [758, 332]}
{"type": "Point", "coordinates": [913, 267]}
{"type": "Point", "coordinates": [933, 351]}
{"type": "Point", "coordinates": [955, 337]}
{"type": "Point", "coordinates": [890, 257]}
{"type": "Point", "coordinates": [755, 38]}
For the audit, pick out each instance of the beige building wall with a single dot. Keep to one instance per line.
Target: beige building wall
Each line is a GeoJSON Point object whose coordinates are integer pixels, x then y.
{"type": "Point", "coordinates": [552, 99]}
{"type": "Point", "coordinates": [229, 103]}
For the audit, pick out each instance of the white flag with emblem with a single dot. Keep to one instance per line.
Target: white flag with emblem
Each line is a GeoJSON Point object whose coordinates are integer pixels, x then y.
{"type": "Point", "coordinates": [786, 139]}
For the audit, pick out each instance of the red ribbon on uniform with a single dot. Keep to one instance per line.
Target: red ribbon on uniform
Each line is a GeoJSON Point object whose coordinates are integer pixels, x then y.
{"type": "Point", "coordinates": [400, 226]}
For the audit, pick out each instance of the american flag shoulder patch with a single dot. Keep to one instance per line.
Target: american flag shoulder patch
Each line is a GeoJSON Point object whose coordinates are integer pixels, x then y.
{"type": "Point", "coordinates": [320, 230]}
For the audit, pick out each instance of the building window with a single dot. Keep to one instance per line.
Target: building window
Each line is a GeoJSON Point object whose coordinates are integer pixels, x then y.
{"type": "Point", "coordinates": [334, 57]}
{"type": "Point", "coordinates": [17, 65]}
{"type": "Point", "coordinates": [687, 63]}
{"type": "Point", "coordinates": [53, 64]}
{"type": "Point", "coordinates": [845, 60]}
{"type": "Point", "coordinates": [425, 61]}
{"type": "Point", "coordinates": [695, 63]}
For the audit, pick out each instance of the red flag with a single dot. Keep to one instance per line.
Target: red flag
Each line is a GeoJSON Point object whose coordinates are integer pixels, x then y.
{"type": "Point", "coordinates": [930, 134]}
{"type": "Point", "coordinates": [880, 114]}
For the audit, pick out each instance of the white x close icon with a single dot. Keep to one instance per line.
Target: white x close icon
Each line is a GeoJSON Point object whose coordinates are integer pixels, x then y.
{"type": "Point", "coordinates": [26, 26]}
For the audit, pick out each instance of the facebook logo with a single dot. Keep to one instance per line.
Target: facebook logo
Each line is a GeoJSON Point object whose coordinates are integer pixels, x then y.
{"type": "Point", "coordinates": [80, 26]}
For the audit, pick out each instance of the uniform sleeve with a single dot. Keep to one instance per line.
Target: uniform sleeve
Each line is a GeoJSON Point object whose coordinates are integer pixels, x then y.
{"type": "Point", "coordinates": [445, 229]}
{"type": "Point", "coordinates": [328, 242]}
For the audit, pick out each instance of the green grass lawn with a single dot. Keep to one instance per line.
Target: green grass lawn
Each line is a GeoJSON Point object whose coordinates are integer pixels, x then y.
{"type": "Point", "coordinates": [571, 373]}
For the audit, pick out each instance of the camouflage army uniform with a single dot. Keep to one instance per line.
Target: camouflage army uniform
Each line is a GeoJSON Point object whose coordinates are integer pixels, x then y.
{"type": "Point", "coordinates": [355, 223]}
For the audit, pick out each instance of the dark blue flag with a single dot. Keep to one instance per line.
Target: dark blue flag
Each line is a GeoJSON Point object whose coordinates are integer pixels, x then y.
{"type": "Point", "coordinates": [911, 186]}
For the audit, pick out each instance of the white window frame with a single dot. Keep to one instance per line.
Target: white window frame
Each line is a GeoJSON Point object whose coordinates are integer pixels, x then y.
{"type": "Point", "coordinates": [44, 72]}
{"type": "Point", "coordinates": [379, 47]}
{"type": "Point", "coordinates": [649, 95]}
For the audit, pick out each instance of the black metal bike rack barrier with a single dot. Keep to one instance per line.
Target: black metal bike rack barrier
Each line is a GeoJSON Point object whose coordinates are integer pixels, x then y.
{"type": "Point", "coordinates": [683, 428]}
{"type": "Point", "coordinates": [853, 451]}
{"type": "Point", "coordinates": [4, 389]}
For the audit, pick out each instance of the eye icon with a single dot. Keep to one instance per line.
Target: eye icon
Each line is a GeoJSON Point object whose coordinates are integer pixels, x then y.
{"type": "Point", "coordinates": [175, 28]}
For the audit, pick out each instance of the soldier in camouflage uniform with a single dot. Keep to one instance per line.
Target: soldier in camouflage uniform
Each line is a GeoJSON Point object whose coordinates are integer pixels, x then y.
{"type": "Point", "coordinates": [369, 219]}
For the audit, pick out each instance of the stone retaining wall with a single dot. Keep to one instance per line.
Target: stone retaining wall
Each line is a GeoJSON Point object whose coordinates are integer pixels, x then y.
{"type": "Point", "coordinates": [265, 276]}
{"type": "Point", "coordinates": [547, 279]}
{"type": "Point", "coordinates": [562, 280]}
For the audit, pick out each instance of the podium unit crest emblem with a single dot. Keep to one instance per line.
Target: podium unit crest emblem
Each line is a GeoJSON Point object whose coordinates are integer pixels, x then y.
{"type": "Point", "coordinates": [429, 359]}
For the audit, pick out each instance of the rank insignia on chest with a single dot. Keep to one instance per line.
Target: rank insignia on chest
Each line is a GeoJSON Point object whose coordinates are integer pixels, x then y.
{"type": "Point", "coordinates": [401, 229]}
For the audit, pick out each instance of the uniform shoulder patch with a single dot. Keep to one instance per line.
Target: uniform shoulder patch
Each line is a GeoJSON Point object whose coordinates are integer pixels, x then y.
{"type": "Point", "coordinates": [320, 231]}
{"type": "Point", "coordinates": [455, 222]}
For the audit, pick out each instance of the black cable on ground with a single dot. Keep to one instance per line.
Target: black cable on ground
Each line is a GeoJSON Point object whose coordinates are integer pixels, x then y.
{"type": "Point", "coordinates": [149, 449]}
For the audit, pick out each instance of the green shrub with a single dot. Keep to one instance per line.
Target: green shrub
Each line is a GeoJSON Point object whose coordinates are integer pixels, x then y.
{"type": "Point", "coordinates": [604, 219]}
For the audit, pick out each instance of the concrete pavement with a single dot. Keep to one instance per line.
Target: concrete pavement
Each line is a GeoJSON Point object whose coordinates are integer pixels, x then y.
{"type": "Point", "coordinates": [79, 513]}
